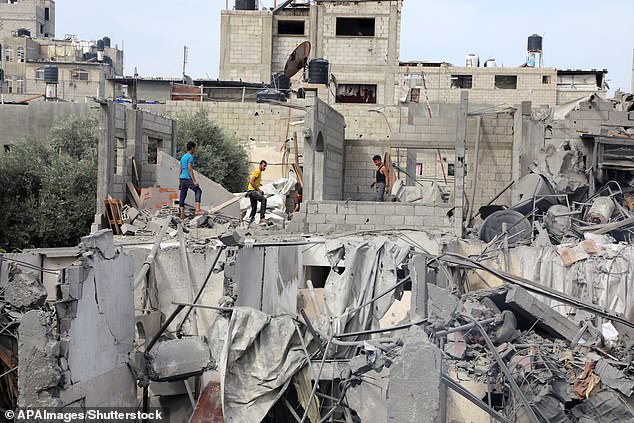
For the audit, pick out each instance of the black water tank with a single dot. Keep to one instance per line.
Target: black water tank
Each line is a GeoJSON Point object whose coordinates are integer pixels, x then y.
{"type": "Point", "coordinates": [281, 82]}
{"type": "Point", "coordinates": [100, 45]}
{"type": "Point", "coordinates": [22, 32]}
{"type": "Point", "coordinates": [318, 71]}
{"type": "Point", "coordinates": [535, 43]}
{"type": "Point", "coordinates": [265, 95]}
{"type": "Point", "coordinates": [246, 5]}
{"type": "Point", "coordinates": [51, 74]}
{"type": "Point", "coordinates": [106, 41]}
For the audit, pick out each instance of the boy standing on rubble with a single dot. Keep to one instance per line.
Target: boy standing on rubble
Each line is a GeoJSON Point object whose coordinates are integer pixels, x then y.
{"type": "Point", "coordinates": [382, 178]}
{"type": "Point", "coordinates": [255, 194]}
{"type": "Point", "coordinates": [187, 180]}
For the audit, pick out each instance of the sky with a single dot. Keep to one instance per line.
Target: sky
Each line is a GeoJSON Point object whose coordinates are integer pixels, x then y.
{"type": "Point", "coordinates": [578, 34]}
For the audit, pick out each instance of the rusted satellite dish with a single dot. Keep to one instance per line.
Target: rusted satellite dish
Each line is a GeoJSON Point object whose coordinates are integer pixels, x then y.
{"type": "Point", "coordinates": [297, 60]}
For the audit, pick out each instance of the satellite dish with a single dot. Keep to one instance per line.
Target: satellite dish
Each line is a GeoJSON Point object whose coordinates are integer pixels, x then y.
{"type": "Point", "coordinates": [297, 60]}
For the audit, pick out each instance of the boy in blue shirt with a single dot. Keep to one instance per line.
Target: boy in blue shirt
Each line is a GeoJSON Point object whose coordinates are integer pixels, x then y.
{"type": "Point", "coordinates": [188, 180]}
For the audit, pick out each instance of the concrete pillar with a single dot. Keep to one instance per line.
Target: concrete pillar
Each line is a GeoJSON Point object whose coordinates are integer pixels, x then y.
{"type": "Point", "coordinates": [105, 156]}
{"type": "Point", "coordinates": [415, 393]}
{"type": "Point", "coordinates": [461, 145]}
{"type": "Point", "coordinates": [418, 271]}
{"type": "Point", "coordinates": [410, 167]}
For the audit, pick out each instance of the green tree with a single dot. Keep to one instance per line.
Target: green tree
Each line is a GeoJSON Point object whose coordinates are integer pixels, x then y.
{"type": "Point", "coordinates": [219, 156]}
{"type": "Point", "coordinates": [49, 188]}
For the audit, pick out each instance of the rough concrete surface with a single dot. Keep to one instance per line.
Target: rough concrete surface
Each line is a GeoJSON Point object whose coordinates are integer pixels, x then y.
{"type": "Point", "coordinates": [24, 291]}
{"type": "Point", "coordinates": [179, 357]}
{"type": "Point", "coordinates": [39, 376]}
{"type": "Point", "coordinates": [413, 394]}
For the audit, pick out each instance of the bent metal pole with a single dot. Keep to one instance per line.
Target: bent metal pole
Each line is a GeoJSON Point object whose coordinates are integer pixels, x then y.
{"type": "Point", "coordinates": [150, 258]}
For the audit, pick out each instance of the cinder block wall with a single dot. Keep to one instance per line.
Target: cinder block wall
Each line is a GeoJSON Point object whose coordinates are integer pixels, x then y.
{"type": "Point", "coordinates": [329, 216]}
{"type": "Point", "coordinates": [494, 161]}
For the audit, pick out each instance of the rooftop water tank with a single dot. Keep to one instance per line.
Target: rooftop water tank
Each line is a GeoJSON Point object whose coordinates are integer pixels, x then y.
{"type": "Point", "coordinates": [51, 74]}
{"type": "Point", "coordinates": [246, 5]}
{"type": "Point", "coordinates": [100, 45]}
{"type": "Point", "coordinates": [472, 60]}
{"type": "Point", "coordinates": [318, 71]}
{"type": "Point", "coordinates": [535, 43]}
{"type": "Point", "coordinates": [281, 82]}
{"type": "Point", "coordinates": [490, 63]}
{"type": "Point", "coordinates": [106, 41]}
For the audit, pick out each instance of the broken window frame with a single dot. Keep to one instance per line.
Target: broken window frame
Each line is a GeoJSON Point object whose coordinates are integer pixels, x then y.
{"type": "Point", "coordinates": [153, 146]}
{"type": "Point", "coordinates": [39, 74]}
{"type": "Point", "coordinates": [356, 94]}
{"type": "Point", "coordinates": [350, 27]}
{"type": "Point", "coordinates": [79, 75]}
{"type": "Point", "coordinates": [546, 79]}
{"type": "Point", "coordinates": [291, 27]}
{"type": "Point", "coordinates": [462, 81]}
{"type": "Point", "coordinates": [506, 82]}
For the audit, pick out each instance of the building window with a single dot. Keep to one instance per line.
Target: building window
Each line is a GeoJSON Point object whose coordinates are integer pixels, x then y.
{"type": "Point", "coordinates": [20, 54]}
{"type": "Point", "coordinates": [153, 145]}
{"type": "Point", "coordinates": [47, 14]}
{"type": "Point", "coordinates": [8, 54]}
{"type": "Point", "coordinates": [78, 75]}
{"type": "Point", "coordinates": [462, 81]}
{"type": "Point", "coordinates": [19, 85]}
{"type": "Point", "coordinates": [506, 82]}
{"type": "Point", "coordinates": [355, 27]}
{"type": "Point", "coordinates": [9, 81]}
{"type": "Point", "coordinates": [290, 27]}
{"type": "Point", "coordinates": [356, 93]}
{"type": "Point", "coordinates": [39, 74]}
{"type": "Point", "coordinates": [546, 79]}
{"type": "Point", "coordinates": [41, 29]}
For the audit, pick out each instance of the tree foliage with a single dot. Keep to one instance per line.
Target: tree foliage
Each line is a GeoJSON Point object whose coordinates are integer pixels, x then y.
{"type": "Point", "coordinates": [219, 156]}
{"type": "Point", "coordinates": [49, 188]}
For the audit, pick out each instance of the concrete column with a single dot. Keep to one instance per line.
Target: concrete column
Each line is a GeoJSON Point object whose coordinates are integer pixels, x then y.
{"type": "Point", "coordinates": [105, 156]}
{"type": "Point", "coordinates": [461, 145]}
{"type": "Point", "coordinates": [418, 271]}
{"type": "Point", "coordinates": [410, 167]}
{"type": "Point", "coordinates": [414, 393]}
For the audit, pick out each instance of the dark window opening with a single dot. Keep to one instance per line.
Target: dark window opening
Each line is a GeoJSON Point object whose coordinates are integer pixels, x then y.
{"type": "Point", "coordinates": [317, 275]}
{"type": "Point", "coordinates": [546, 79]}
{"type": "Point", "coordinates": [153, 145]}
{"type": "Point", "coordinates": [290, 27]}
{"type": "Point", "coordinates": [356, 93]}
{"type": "Point", "coordinates": [462, 81]}
{"type": "Point", "coordinates": [41, 29]}
{"type": "Point", "coordinates": [506, 82]}
{"type": "Point", "coordinates": [363, 27]}
{"type": "Point", "coordinates": [414, 95]}
{"type": "Point", "coordinates": [451, 169]}
{"type": "Point", "coordinates": [47, 14]}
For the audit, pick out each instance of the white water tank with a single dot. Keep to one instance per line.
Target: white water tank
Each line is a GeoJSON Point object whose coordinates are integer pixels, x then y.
{"type": "Point", "coordinates": [472, 60]}
{"type": "Point", "coordinates": [490, 63]}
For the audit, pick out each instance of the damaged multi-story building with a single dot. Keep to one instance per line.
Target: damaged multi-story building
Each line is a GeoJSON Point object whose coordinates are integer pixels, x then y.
{"type": "Point", "coordinates": [496, 287]}
{"type": "Point", "coordinates": [35, 65]}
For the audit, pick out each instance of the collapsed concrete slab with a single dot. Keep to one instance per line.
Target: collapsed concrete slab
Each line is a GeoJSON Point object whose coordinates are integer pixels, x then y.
{"type": "Point", "coordinates": [24, 290]}
{"type": "Point", "coordinates": [214, 194]}
{"type": "Point", "coordinates": [178, 357]}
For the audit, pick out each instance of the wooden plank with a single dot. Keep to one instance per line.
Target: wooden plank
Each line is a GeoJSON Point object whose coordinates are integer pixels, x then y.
{"type": "Point", "coordinates": [300, 176]}
{"type": "Point", "coordinates": [134, 195]}
{"type": "Point", "coordinates": [614, 225]}
{"type": "Point", "coordinates": [227, 203]}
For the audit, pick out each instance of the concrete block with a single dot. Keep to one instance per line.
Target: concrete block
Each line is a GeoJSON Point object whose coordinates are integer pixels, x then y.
{"type": "Point", "coordinates": [441, 303]}
{"type": "Point", "coordinates": [353, 219]}
{"type": "Point", "coordinates": [528, 307]}
{"type": "Point", "coordinates": [128, 229]}
{"type": "Point", "coordinates": [178, 357]}
{"type": "Point", "coordinates": [409, 400]}
{"type": "Point", "coordinates": [232, 238]}
{"type": "Point", "coordinates": [316, 218]}
{"type": "Point", "coordinates": [327, 208]}
{"type": "Point", "coordinates": [199, 221]}
{"type": "Point", "coordinates": [394, 220]}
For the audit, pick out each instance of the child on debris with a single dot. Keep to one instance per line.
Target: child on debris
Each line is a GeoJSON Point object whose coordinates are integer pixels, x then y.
{"type": "Point", "coordinates": [187, 180]}
{"type": "Point", "coordinates": [255, 194]}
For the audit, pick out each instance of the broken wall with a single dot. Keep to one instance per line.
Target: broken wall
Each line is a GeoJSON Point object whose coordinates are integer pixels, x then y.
{"type": "Point", "coordinates": [324, 152]}
{"type": "Point", "coordinates": [83, 361]}
{"type": "Point", "coordinates": [423, 134]}
{"type": "Point", "coordinates": [263, 128]}
{"type": "Point", "coordinates": [130, 133]}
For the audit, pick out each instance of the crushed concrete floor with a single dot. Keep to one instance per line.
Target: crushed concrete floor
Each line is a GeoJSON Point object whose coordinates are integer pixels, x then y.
{"type": "Point", "coordinates": [529, 318]}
